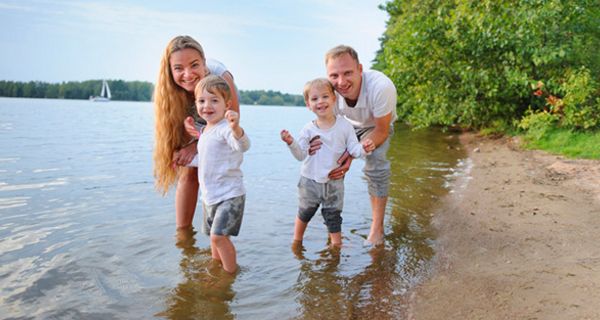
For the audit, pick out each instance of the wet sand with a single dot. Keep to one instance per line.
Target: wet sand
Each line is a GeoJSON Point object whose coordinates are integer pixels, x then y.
{"type": "Point", "coordinates": [520, 241]}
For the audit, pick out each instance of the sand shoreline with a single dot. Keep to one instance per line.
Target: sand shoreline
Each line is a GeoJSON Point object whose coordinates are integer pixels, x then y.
{"type": "Point", "coordinates": [520, 241]}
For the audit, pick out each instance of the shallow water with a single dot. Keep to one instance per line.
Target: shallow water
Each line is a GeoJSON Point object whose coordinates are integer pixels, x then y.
{"type": "Point", "coordinates": [83, 234]}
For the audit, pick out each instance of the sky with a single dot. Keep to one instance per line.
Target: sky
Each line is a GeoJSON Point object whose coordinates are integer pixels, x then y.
{"type": "Point", "coordinates": [267, 45]}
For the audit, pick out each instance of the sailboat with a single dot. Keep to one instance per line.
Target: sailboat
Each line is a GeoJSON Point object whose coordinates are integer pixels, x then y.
{"type": "Point", "coordinates": [104, 95]}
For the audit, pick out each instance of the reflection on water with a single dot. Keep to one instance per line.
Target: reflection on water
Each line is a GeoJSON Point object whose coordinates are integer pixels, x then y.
{"type": "Point", "coordinates": [84, 235]}
{"type": "Point", "coordinates": [206, 287]}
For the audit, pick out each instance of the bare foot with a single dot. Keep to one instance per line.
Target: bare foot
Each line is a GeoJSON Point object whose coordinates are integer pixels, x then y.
{"type": "Point", "coordinates": [298, 249]}
{"type": "Point", "coordinates": [374, 240]}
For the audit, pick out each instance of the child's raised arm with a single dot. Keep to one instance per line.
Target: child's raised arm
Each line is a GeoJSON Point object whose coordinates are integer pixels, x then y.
{"type": "Point", "coordinates": [295, 148]}
{"type": "Point", "coordinates": [286, 137]}
{"type": "Point", "coordinates": [233, 118]}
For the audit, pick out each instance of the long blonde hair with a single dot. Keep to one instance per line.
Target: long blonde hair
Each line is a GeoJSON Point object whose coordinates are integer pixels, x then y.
{"type": "Point", "coordinates": [171, 107]}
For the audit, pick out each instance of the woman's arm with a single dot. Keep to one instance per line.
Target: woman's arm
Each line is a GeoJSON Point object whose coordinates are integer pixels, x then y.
{"type": "Point", "coordinates": [235, 102]}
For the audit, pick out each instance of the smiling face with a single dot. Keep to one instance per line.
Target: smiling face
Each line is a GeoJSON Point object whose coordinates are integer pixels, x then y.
{"type": "Point", "coordinates": [188, 68]}
{"type": "Point", "coordinates": [320, 99]}
{"type": "Point", "coordinates": [211, 106]}
{"type": "Point", "coordinates": [345, 74]}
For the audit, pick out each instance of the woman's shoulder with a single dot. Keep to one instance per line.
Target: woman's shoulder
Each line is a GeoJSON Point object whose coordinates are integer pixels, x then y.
{"type": "Point", "coordinates": [215, 67]}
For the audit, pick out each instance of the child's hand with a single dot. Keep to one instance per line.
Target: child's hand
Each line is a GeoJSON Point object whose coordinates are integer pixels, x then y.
{"type": "Point", "coordinates": [368, 145]}
{"type": "Point", "coordinates": [190, 128]}
{"type": "Point", "coordinates": [286, 137]}
{"type": "Point", "coordinates": [233, 118]}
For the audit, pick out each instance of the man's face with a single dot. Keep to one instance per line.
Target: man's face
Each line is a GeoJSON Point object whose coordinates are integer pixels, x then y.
{"type": "Point", "coordinates": [345, 74]}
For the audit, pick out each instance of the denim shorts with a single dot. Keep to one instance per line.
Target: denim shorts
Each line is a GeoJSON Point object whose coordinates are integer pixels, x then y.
{"type": "Point", "coordinates": [225, 217]}
{"type": "Point", "coordinates": [329, 195]}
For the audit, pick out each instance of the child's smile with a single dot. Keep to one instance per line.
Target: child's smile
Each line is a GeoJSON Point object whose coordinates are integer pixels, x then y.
{"type": "Point", "coordinates": [321, 101]}
{"type": "Point", "coordinates": [211, 107]}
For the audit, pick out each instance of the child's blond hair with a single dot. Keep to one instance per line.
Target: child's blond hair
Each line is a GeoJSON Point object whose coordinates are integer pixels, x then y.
{"type": "Point", "coordinates": [317, 83]}
{"type": "Point", "coordinates": [215, 85]}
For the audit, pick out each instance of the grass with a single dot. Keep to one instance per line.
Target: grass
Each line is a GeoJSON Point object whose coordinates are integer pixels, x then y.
{"type": "Point", "coordinates": [569, 143]}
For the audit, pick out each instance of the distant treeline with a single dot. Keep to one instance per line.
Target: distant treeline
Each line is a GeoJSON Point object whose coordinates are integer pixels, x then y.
{"type": "Point", "coordinates": [120, 90]}
{"type": "Point", "coordinates": [126, 91]}
{"type": "Point", "coordinates": [270, 98]}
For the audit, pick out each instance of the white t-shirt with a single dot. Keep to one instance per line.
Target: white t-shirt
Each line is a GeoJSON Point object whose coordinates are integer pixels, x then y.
{"type": "Point", "coordinates": [217, 68]}
{"type": "Point", "coordinates": [377, 98]}
{"type": "Point", "coordinates": [337, 139]}
{"type": "Point", "coordinates": [219, 158]}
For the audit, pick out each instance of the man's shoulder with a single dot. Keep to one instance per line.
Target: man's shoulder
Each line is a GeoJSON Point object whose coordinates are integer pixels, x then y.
{"type": "Point", "coordinates": [378, 86]}
{"type": "Point", "coordinates": [374, 78]}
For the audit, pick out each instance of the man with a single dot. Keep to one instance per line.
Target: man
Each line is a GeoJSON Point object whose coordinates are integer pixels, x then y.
{"type": "Point", "coordinates": [368, 100]}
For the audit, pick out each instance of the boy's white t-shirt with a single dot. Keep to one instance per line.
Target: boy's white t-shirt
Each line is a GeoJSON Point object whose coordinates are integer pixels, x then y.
{"type": "Point", "coordinates": [377, 98]}
{"type": "Point", "coordinates": [336, 140]}
{"type": "Point", "coordinates": [219, 158]}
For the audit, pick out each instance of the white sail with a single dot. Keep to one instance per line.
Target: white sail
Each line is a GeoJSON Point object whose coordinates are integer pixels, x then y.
{"type": "Point", "coordinates": [104, 94]}
{"type": "Point", "coordinates": [107, 89]}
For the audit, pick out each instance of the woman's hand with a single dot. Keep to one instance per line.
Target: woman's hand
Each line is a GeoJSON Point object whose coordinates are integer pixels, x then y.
{"type": "Point", "coordinates": [185, 155]}
{"type": "Point", "coordinates": [190, 127]}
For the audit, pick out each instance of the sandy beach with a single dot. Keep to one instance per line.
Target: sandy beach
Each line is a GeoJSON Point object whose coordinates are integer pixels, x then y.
{"type": "Point", "coordinates": [520, 241]}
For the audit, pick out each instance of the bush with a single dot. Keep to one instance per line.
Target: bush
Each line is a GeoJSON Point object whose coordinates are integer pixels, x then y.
{"type": "Point", "coordinates": [581, 101]}
{"type": "Point", "coordinates": [537, 124]}
{"type": "Point", "coordinates": [473, 62]}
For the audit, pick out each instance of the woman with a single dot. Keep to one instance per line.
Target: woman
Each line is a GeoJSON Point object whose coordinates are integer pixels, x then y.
{"type": "Point", "coordinates": [182, 66]}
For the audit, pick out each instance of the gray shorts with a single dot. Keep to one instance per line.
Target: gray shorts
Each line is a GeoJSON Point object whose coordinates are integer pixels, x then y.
{"type": "Point", "coordinates": [225, 217]}
{"type": "Point", "coordinates": [377, 168]}
{"type": "Point", "coordinates": [329, 195]}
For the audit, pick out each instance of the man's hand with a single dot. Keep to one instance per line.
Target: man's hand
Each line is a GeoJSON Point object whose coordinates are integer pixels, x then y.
{"type": "Point", "coordinates": [190, 127]}
{"type": "Point", "coordinates": [315, 144]}
{"type": "Point", "coordinates": [286, 137]}
{"type": "Point", "coordinates": [344, 161]}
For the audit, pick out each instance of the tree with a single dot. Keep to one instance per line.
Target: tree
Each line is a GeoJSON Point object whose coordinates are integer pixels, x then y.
{"type": "Point", "coordinates": [479, 62]}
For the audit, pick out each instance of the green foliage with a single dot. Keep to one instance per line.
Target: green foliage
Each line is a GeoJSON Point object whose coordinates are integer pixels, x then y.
{"type": "Point", "coordinates": [581, 101]}
{"type": "Point", "coordinates": [574, 144]}
{"type": "Point", "coordinates": [537, 124]}
{"type": "Point", "coordinates": [126, 91]}
{"type": "Point", "coordinates": [120, 90]}
{"type": "Point", "coordinates": [270, 98]}
{"type": "Point", "coordinates": [473, 62]}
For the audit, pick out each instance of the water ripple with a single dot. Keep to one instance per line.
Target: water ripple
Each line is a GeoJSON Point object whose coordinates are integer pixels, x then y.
{"type": "Point", "coordinates": [41, 185]}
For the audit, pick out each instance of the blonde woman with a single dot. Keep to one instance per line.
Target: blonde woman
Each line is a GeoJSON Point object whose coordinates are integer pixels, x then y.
{"type": "Point", "coordinates": [182, 66]}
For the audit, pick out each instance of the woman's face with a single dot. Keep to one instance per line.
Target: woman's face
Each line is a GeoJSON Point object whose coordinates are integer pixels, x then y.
{"type": "Point", "coordinates": [187, 68]}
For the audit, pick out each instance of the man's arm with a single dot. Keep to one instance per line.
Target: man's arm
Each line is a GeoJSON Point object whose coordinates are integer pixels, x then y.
{"type": "Point", "coordinates": [382, 130]}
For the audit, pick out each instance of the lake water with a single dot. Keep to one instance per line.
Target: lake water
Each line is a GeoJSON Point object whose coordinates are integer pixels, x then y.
{"type": "Point", "coordinates": [84, 235]}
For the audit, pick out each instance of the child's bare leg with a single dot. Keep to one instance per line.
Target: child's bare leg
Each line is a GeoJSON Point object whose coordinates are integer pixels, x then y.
{"type": "Point", "coordinates": [336, 239]}
{"type": "Point", "coordinates": [225, 251]}
{"type": "Point", "coordinates": [299, 228]}
{"type": "Point", "coordinates": [214, 252]}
